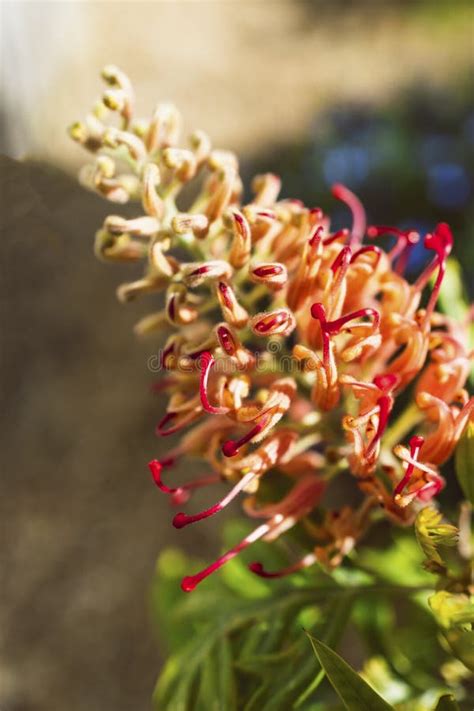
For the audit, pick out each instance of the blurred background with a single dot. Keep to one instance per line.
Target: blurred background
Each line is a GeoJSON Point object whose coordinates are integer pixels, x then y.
{"type": "Point", "coordinates": [376, 94]}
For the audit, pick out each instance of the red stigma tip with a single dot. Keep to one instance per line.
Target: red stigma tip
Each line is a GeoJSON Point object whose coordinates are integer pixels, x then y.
{"type": "Point", "coordinates": [155, 468]}
{"type": "Point", "coordinates": [229, 448]}
{"type": "Point", "coordinates": [416, 442]}
{"type": "Point", "coordinates": [387, 382]}
{"type": "Point", "coordinates": [188, 583]}
{"type": "Point", "coordinates": [441, 241]}
{"type": "Point", "coordinates": [318, 312]}
{"type": "Point", "coordinates": [179, 521]}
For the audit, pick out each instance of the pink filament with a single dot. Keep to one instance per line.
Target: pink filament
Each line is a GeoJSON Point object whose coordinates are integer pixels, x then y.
{"type": "Point", "coordinates": [189, 582]}
{"type": "Point", "coordinates": [430, 489]}
{"type": "Point", "coordinates": [207, 361]}
{"type": "Point", "coordinates": [416, 443]}
{"type": "Point", "coordinates": [342, 261]}
{"type": "Point", "coordinates": [342, 193]}
{"type": "Point", "coordinates": [182, 519]}
{"type": "Point", "coordinates": [333, 327]}
{"type": "Point", "coordinates": [441, 241]}
{"type": "Point", "coordinates": [364, 250]}
{"type": "Point", "coordinates": [405, 241]}
{"type": "Point", "coordinates": [179, 494]}
{"type": "Point", "coordinates": [163, 422]}
{"type": "Point", "coordinates": [385, 406]}
{"type": "Point", "coordinates": [231, 447]}
{"type": "Point", "coordinates": [332, 238]}
{"type": "Point", "coordinates": [259, 570]}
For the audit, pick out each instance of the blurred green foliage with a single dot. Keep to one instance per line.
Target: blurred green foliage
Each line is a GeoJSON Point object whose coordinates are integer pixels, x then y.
{"type": "Point", "coordinates": [238, 641]}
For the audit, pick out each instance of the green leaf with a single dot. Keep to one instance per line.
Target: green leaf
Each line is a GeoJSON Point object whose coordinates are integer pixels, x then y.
{"type": "Point", "coordinates": [464, 462]}
{"type": "Point", "coordinates": [354, 692]}
{"type": "Point", "coordinates": [217, 685]}
{"type": "Point", "coordinates": [447, 703]}
{"type": "Point", "coordinates": [338, 619]}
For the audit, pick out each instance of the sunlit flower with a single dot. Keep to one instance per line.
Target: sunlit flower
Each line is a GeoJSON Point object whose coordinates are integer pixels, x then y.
{"type": "Point", "coordinates": [289, 346]}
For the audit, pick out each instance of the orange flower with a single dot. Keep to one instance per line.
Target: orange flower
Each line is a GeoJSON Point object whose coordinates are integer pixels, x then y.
{"type": "Point", "coordinates": [290, 344]}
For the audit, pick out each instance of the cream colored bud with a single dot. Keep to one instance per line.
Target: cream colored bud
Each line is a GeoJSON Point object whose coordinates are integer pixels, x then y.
{"type": "Point", "coordinates": [201, 146]}
{"type": "Point", "coordinates": [140, 226]}
{"type": "Point", "coordinates": [221, 160]}
{"type": "Point", "coordinates": [152, 202]}
{"type": "Point", "coordinates": [113, 138]}
{"type": "Point", "coordinates": [150, 324]}
{"type": "Point", "coordinates": [164, 128]}
{"type": "Point", "coordinates": [266, 188]}
{"type": "Point", "coordinates": [183, 162]}
{"type": "Point", "coordinates": [196, 273]}
{"type": "Point", "coordinates": [114, 99]}
{"type": "Point", "coordinates": [78, 132]}
{"type": "Point", "coordinates": [280, 322]}
{"type": "Point", "coordinates": [105, 166]}
{"type": "Point", "coordinates": [197, 224]}
{"type": "Point", "coordinates": [160, 263]}
{"type": "Point", "coordinates": [220, 199]}
{"type": "Point", "coordinates": [128, 292]}
{"type": "Point", "coordinates": [242, 241]}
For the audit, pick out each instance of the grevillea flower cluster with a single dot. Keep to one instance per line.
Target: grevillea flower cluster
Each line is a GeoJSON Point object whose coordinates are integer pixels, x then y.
{"type": "Point", "coordinates": [292, 349]}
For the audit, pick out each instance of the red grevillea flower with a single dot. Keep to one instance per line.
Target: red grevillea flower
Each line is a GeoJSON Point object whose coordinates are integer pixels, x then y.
{"type": "Point", "coordinates": [291, 343]}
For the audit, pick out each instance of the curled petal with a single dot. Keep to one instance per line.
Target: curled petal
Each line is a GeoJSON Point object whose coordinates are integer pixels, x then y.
{"type": "Point", "coordinates": [197, 224]}
{"type": "Point", "coordinates": [195, 274]}
{"type": "Point", "coordinates": [266, 188]}
{"type": "Point", "coordinates": [207, 361]}
{"type": "Point", "coordinates": [273, 274]}
{"type": "Point", "coordinates": [273, 323]}
{"type": "Point", "coordinates": [232, 311]}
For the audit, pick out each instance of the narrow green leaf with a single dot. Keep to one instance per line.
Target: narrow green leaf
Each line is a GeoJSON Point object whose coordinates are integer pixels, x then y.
{"type": "Point", "coordinates": [447, 703]}
{"type": "Point", "coordinates": [465, 462]}
{"type": "Point", "coordinates": [216, 683]}
{"type": "Point", "coordinates": [354, 692]}
{"type": "Point", "coordinates": [339, 616]}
